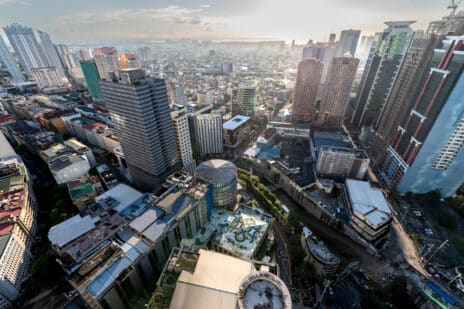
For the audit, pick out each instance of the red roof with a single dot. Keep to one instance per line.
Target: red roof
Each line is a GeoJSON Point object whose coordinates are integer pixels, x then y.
{"type": "Point", "coordinates": [6, 228]}
{"type": "Point", "coordinates": [6, 118]}
{"type": "Point", "coordinates": [95, 125]}
{"type": "Point", "coordinates": [101, 109]}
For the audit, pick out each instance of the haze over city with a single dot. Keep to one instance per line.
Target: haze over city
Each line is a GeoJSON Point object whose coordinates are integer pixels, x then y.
{"type": "Point", "coordinates": [232, 154]}
{"type": "Point", "coordinates": [75, 21]}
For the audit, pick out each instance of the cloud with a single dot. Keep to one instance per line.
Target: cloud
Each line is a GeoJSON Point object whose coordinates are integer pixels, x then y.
{"type": "Point", "coordinates": [14, 2]}
{"type": "Point", "coordinates": [205, 6]}
{"type": "Point", "coordinates": [165, 22]}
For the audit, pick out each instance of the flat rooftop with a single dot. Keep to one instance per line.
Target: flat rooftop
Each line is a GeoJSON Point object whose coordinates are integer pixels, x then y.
{"type": "Point", "coordinates": [214, 283]}
{"type": "Point", "coordinates": [344, 150]}
{"type": "Point", "coordinates": [235, 122]}
{"type": "Point", "coordinates": [122, 194]}
{"type": "Point", "coordinates": [367, 202]}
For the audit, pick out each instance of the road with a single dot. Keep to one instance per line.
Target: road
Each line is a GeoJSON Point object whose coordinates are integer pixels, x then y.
{"type": "Point", "coordinates": [337, 242]}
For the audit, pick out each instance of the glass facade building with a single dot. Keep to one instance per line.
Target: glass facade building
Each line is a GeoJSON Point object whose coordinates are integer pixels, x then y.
{"type": "Point", "coordinates": [426, 153]}
{"type": "Point", "coordinates": [90, 72]}
{"type": "Point", "coordinates": [222, 176]}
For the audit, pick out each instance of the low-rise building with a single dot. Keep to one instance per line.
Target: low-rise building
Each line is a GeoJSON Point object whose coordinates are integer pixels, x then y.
{"type": "Point", "coordinates": [82, 192]}
{"type": "Point", "coordinates": [370, 214]}
{"type": "Point", "coordinates": [342, 163]}
{"type": "Point", "coordinates": [324, 262]}
{"type": "Point", "coordinates": [197, 278]}
{"type": "Point", "coordinates": [236, 132]}
{"type": "Point", "coordinates": [110, 254]}
{"type": "Point", "coordinates": [68, 167]}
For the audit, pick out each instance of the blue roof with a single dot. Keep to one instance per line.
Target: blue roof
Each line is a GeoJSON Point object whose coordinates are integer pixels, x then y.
{"type": "Point", "coordinates": [235, 122]}
{"type": "Point", "coordinates": [450, 300]}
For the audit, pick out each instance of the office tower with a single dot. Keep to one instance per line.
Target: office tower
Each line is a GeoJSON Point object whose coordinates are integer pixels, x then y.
{"type": "Point", "coordinates": [399, 99]}
{"type": "Point", "coordinates": [139, 107]}
{"type": "Point", "coordinates": [183, 140]}
{"type": "Point", "coordinates": [244, 100]}
{"type": "Point", "coordinates": [10, 63]}
{"type": "Point", "coordinates": [90, 72]}
{"type": "Point", "coordinates": [51, 53]}
{"type": "Point", "coordinates": [306, 87]}
{"type": "Point", "coordinates": [337, 91]}
{"type": "Point", "coordinates": [106, 59]}
{"type": "Point", "coordinates": [380, 73]}
{"type": "Point", "coordinates": [426, 154]}
{"type": "Point", "coordinates": [180, 94]}
{"type": "Point", "coordinates": [332, 38]}
{"type": "Point", "coordinates": [347, 43]}
{"type": "Point", "coordinates": [47, 77]}
{"type": "Point", "coordinates": [207, 137]}
{"type": "Point", "coordinates": [341, 163]}
{"type": "Point", "coordinates": [28, 50]}
{"type": "Point", "coordinates": [128, 61]}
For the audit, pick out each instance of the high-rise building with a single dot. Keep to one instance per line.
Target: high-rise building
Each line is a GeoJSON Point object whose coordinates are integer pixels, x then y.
{"type": "Point", "coordinates": [399, 100]}
{"type": "Point", "coordinates": [18, 211]}
{"type": "Point", "coordinates": [426, 154]}
{"type": "Point", "coordinates": [128, 61]}
{"type": "Point", "coordinates": [51, 53]}
{"type": "Point", "coordinates": [180, 94]}
{"type": "Point", "coordinates": [347, 43]}
{"type": "Point", "coordinates": [332, 38]}
{"type": "Point", "coordinates": [339, 162]}
{"type": "Point", "coordinates": [106, 59]}
{"type": "Point", "coordinates": [90, 72]}
{"type": "Point", "coordinates": [10, 63]}
{"type": "Point", "coordinates": [380, 73]}
{"type": "Point", "coordinates": [144, 54]}
{"type": "Point", "coordinates": [28, 50]}
{"type": "Point", "coordinates": [47, 77]}
{"type": "Point", "coordinates": [207, 137]}
{"type": "Point", "coordinates": [184, 144]}
{"type": "Point", "coordinates": [337, 91]}
{"type": "Point", "coordinates": [139, 107]}
{"type": "Point", "coordinates": [244, 100]}
{"type": "Point", "coordinates": [307, 83]}
{"type": "Point", "coordinates": [66, 57]}
{"type": "Point", "coordinates": [322, 53]}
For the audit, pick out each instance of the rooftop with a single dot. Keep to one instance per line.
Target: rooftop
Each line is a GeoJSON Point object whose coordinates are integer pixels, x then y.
{"type": "Point", "coordinates": [367, 202]}
{"type": "Point", "coordinates": [318, 248]}
{"type": "Point", "coordinates": [239, 233]}
{"type": "Point", "coordinates": [5, 148]}
{"type": "Point", "coordinates": [217, 171]}
{"type": "Point", "coordinates": [80, 187]}
{"type": "Point", "coordinates": [235, 122]}
{"type": "Point", "coordinates": [70, 229]}
{"type": "Point", "coordinates": [356, 152]}
{"type": "Point", "coordinates": [122, 195]}
{"type": "Point", "coordinates": [65, 161]}
{"type": "Point", "coordinates": [214, 283]}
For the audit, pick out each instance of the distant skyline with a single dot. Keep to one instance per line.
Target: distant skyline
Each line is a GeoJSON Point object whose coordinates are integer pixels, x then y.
{"type": "Point", "coordinates": [85, 20]}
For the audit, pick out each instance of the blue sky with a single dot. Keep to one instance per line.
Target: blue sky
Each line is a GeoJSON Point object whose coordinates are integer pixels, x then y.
{"type": "Point", "coordinates": [233, 19]}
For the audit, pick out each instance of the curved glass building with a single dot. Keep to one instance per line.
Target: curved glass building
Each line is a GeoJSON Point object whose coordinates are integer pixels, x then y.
{"type": "Point", "coordinates": [223, 178]}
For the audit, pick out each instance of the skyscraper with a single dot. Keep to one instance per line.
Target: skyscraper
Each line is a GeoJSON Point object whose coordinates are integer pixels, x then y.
{"type": "Point", "coordinates": [10, 63]}
{"type": "Point", "coordinates": [426, 154]}
{"type": "Point", "coordinates": [322, 53]}
{"type": "Point", "coordinates": [336, 92]}
{"type": "Point", "coordinates": [47, 77]}
{"type": "Point", "coordinates": [139, 108]}
{"type": "Point", "coordinates": [307, 83]}
{"type": "Point", "coordinates": [244, 101]}
{"type": "Point", "coordinates": [66, 58]}
{"type": "Point", "coordinates": [50, 53]}
{"type": "Point", "coordinates": [399, 99]}
{"type": "Point", "coordinates": [28, 50]}
{"type": "Point", "coordinates": [106, 59]}
{"type": "Point", "coordinates": [347, 43]}
{"type": "Point", "coordinates": [128, 61]}
{"type": "Point", "coordinates": [90, 72]}
{"type": "Point", "coordinates": [207, 129]}
{"type": "Point", "coordinates": [380, 73]}
{"type": "Point", "coordinates": [332, 37]}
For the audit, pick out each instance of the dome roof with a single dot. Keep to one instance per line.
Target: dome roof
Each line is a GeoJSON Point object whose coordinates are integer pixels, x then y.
{"type": "Point", "coordinates": [217, 171]}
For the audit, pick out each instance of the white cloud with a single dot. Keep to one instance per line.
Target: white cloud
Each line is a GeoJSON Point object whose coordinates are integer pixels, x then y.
{"type": "Point", "coordinates": [205, 6]}
{"type": "Point", "coordinates": [11, 2]}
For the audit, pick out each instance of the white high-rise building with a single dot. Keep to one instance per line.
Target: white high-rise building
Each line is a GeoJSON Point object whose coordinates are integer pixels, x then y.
{"type": "Point", "coordinates": [184, 145]}
{"type": "Point", "coordinates": [106, 60]}
{"type": "Point", "coordinates": [28, 50]}
{"type": "Point", "coordinates": [348, 43]}
{"type": "Point", "coordinates": [51, 53]}
{"type": "Point", "coordinates": [10, 63]}
{"type": "Point", "coordinates": [47, 77]}
{"type": "Point", "coordinates": [208, 134]}
{"type": "Point", "coordinates": [180, 94]}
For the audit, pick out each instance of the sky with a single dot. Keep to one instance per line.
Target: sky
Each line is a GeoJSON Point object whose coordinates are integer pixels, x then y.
{"type": "Point", "coordinates": [79, 20]}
